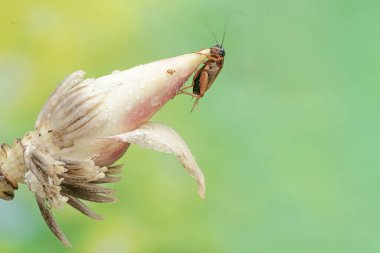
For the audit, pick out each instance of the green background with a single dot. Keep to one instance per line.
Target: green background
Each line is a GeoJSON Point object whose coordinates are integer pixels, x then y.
{"type": "Point", "coordinates": [288, 136]}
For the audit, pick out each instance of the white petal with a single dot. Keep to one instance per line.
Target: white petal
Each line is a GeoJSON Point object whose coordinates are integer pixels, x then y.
{"type": "Point", "coordinates": [70, 82]}
{"type": "Point", "coordinates": [80, 111]}
{"type": "Point", "coordinates": [164, 139]}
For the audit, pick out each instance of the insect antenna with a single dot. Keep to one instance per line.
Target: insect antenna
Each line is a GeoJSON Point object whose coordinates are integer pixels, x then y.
{"type": "Point", "coordinates": [209, 28]}
{"type": "Point", "coordinates": [228, 21]}
{"type": "Point", "coordinates": [225, 29]}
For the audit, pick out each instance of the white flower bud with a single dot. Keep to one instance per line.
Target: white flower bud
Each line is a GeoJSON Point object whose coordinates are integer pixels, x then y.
{"type": "Point", "coordinates": [87, 125]}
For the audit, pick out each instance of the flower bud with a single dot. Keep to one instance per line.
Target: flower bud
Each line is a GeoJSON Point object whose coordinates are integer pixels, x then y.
{"type": "Point", "coordinates": [87, 125]}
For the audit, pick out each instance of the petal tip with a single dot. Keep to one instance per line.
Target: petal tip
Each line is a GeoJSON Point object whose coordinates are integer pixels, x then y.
{"type": "Point", "coordinates": [202, 193]}
{"type": "Point", "coordinates": [201, 188]}
{"type": "Point", "coordinates": [204, 51]}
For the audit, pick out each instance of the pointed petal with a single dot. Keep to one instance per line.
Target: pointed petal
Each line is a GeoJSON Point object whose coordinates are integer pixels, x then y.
{"type": "Point", "coordinates": [69, 83]}
{"type": "Point", "coordinates": [164, 139]}
{"type": "Point", "coordinates": [81, 207]}
{"type": "Point", "coordinates": [49, 219]}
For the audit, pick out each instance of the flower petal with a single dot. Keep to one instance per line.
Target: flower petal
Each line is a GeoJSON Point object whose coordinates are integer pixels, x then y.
{"type": "Point", "coordinates": [49, 219]}
{"type": "Point", "coordinates": [80, 110]}
{"type": "Point", "coordinates": [164, 139]}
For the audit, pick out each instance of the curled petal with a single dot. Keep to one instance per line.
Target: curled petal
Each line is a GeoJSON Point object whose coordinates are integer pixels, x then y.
{"type": "Point", "coordinates": [164, 139]}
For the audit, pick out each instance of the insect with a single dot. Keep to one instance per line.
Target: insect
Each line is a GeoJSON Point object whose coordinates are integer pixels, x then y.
{"type": "Point", "coordinates": [206, 75]}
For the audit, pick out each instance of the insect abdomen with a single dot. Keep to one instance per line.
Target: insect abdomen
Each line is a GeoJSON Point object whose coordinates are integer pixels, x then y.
{"type": "Point", "coordinates": [197, 81]}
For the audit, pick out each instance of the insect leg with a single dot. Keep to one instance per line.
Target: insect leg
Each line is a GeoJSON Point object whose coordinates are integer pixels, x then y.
{"type": "Point", "coordinates": [181, 90]}
{"type": "Point", "coordinates": [196, 102]}
{"type": "Point", "coordinates": [209, 57]}
{"type": "Point", "coordinates": [190, 94]}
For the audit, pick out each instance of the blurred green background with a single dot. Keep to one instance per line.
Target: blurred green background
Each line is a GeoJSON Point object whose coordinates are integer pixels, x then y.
{"type": "Point", "coordinates": [288, 136]}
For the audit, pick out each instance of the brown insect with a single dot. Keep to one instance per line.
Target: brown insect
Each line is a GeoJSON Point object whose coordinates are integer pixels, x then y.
{"type": "Point", "coordinates": [206, 75]}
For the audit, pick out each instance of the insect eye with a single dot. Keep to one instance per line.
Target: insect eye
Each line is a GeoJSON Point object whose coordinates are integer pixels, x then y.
{"type": "Point", "coordinates": [222, 53]}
